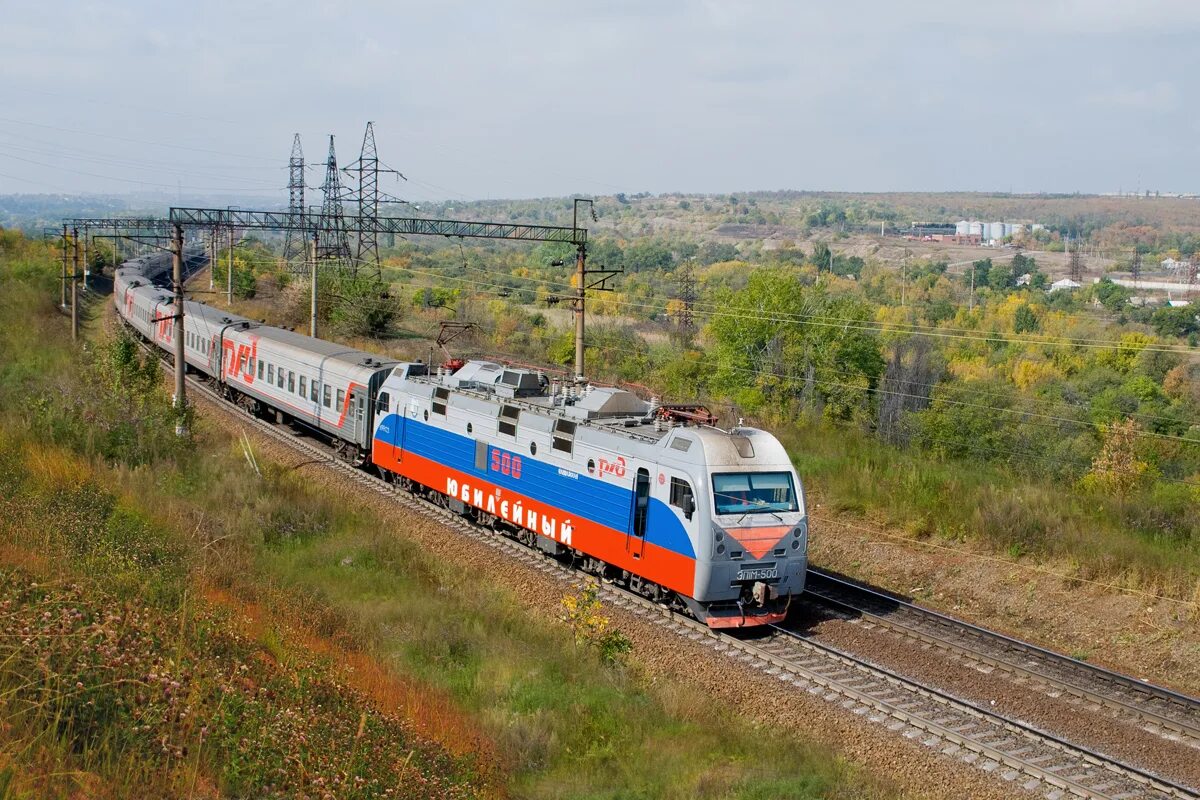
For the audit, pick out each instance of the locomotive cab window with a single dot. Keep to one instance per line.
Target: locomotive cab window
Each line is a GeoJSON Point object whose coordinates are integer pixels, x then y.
{"type": "Point", "coordinates": [383, 403]}
{"type": "Point", "coordinates": [754, 492]}
{"type": "Point", "coordinates": [682, 497]}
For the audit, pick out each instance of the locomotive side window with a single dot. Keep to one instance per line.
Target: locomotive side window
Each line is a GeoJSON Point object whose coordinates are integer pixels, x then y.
{"type": "Point", "coordinates": [508, 420]}
{"type": "Point", "coordinates": [564, 436]}
{"type": "Point", "coordinates": [441, 396]}
{"type": "Point", "coordinates": [682, 497]}
{"type": "Point", "coordinates": [641, 490]}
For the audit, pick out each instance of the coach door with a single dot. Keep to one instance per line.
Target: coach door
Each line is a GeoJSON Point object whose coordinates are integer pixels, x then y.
{"type": "Point", "coordinates": [356, 416]}
{"type": "Point", "coordinates": [641, 510]}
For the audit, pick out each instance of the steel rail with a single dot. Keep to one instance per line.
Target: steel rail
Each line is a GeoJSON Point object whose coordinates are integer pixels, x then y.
{"type": "Point", "coordinates": [1126, 697]}
{"type": "Point", "coordinates": [1046, 761]}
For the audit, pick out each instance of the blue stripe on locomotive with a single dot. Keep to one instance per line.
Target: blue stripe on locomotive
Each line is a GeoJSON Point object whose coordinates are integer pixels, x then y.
{"type": "Point", "coordinates": [583, 496]}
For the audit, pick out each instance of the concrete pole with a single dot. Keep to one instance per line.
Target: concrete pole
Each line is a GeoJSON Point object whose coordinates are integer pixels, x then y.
{"type": "Point", "coordinates": [212, 257]}
{"type": "Point", "coordinates": [177, 322]}
{"type": "Point", "coordinates": [62, 284]}
{"type": "Point", "coordinates": [580, 293]}
{"type": "Point", "coordinates": [229, 270]}
{"type": "Point", "coordinates": [87, 262]}
{"type": "Point", "coordinates": [75, 289]}
{"type": "Point", "coordinates": [312, 308]}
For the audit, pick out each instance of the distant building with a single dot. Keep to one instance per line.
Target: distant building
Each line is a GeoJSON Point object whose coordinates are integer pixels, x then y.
{"type": "Point", "coordinates": [1065, 283]}
{"type": "Point", "coordinates": [957, 238]}
{"type": "Point", "coordinates": [1025, 279]}
{"type": "Point", "coordinates": [1171, 264]}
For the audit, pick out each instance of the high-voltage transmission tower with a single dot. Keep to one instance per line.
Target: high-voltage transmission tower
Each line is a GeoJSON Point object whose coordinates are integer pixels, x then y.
{"type": "Point", "coordinates": [1075, 266]}
{"type": "Point", "coordinates": [368, 169]}
{"type": "Point", "coordinates": [1135, 268]}
{"type": "Point", "coordinates": [333, 241]}
{"type": "Point", "coordinates": [295, 247]}
{"type": "Point", "coordinates": [687, 294]}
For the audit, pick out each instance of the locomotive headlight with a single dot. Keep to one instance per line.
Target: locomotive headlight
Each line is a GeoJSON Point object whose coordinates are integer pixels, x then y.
{"type": "Point", "coordinates": [720, 549]}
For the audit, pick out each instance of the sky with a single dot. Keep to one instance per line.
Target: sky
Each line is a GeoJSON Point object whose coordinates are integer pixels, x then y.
{"type": "Point", "coordinates": [524, 98]}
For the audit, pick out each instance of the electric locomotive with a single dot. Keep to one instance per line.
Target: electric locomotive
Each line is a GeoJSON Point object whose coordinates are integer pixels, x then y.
{"type": "Point", "coordinates": [653, 496]}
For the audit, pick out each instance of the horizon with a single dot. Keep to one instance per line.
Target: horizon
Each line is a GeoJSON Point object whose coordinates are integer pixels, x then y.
{"type": "Point", "coordinates": [508, 102]}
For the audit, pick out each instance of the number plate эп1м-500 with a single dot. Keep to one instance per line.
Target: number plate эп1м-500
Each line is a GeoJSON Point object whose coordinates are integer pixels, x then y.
{"type": "Point", "coordinates": [761, 574]}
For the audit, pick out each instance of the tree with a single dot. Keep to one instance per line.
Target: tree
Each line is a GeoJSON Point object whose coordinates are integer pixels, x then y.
{"type": "Point", "coordinates": [1118, 469]}
{"type": "Point", "coordinates": [1175, 321]}
{"type": "Point", "coordinates": [1112, 296]}
{"type": "Point", "coordinates": [980, 269]}
{"type": "Point", "coordinates": [1001, 279]}
{"type": "Point", "coordinates": [782, 352]}
{"type": "Point", "coordinates": [1025, 320]}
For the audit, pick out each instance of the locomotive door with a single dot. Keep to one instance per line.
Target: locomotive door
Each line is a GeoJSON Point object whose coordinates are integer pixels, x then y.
{"type": "Point", "coordinates": [641, 510]}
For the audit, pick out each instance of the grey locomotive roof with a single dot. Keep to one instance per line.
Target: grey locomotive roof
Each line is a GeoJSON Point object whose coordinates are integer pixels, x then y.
{"type": "Point", "coordinates": [600, 408]}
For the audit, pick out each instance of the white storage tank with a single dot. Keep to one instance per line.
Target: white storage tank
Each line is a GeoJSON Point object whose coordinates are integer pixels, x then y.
{"type": "Point", "coordinates": [975, 229]}
{"type": "Point", "coordinates": [962, 228]}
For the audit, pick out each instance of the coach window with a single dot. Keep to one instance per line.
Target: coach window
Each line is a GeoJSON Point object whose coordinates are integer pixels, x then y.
{"type": "Point", "coordinates": [260, 369]}
{"type": "Point", "coordinates": [682, 497]}
{"type": "Point", "coordinates": [291, 382]}
{"type": "Point", "coordinates": [270, 373]}
{"type": "Point", "coordinates": [327, 395]}
{"type": "Point", "coordinates": [316, 387]}
{"type": "Point", "coordinates": [279, 377]}
{"type": "Point", "coordinates": [341, 397]}
{"type": "Point", "coordinates": [304, 386]}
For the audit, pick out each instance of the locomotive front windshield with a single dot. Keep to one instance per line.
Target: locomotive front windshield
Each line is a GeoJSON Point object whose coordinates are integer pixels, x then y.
{"type": "Point", "coordinates": [752, 492]}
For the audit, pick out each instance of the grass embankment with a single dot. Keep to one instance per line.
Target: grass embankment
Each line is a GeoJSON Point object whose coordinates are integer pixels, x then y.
{"type": "Point", "coordinates": [177, 623]}
{"type": "Point", "coordinates": [1088, 535]}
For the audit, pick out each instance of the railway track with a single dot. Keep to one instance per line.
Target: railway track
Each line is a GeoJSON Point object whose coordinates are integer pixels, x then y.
{"type": "Point", "coordinates": [1037, 761]}
{"type": "Point", "coordinates": [1160, 711]}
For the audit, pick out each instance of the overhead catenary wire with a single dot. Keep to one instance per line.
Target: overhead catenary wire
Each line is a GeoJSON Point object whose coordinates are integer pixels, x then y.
{"type": "Point", "coordinates": [734, 313]}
